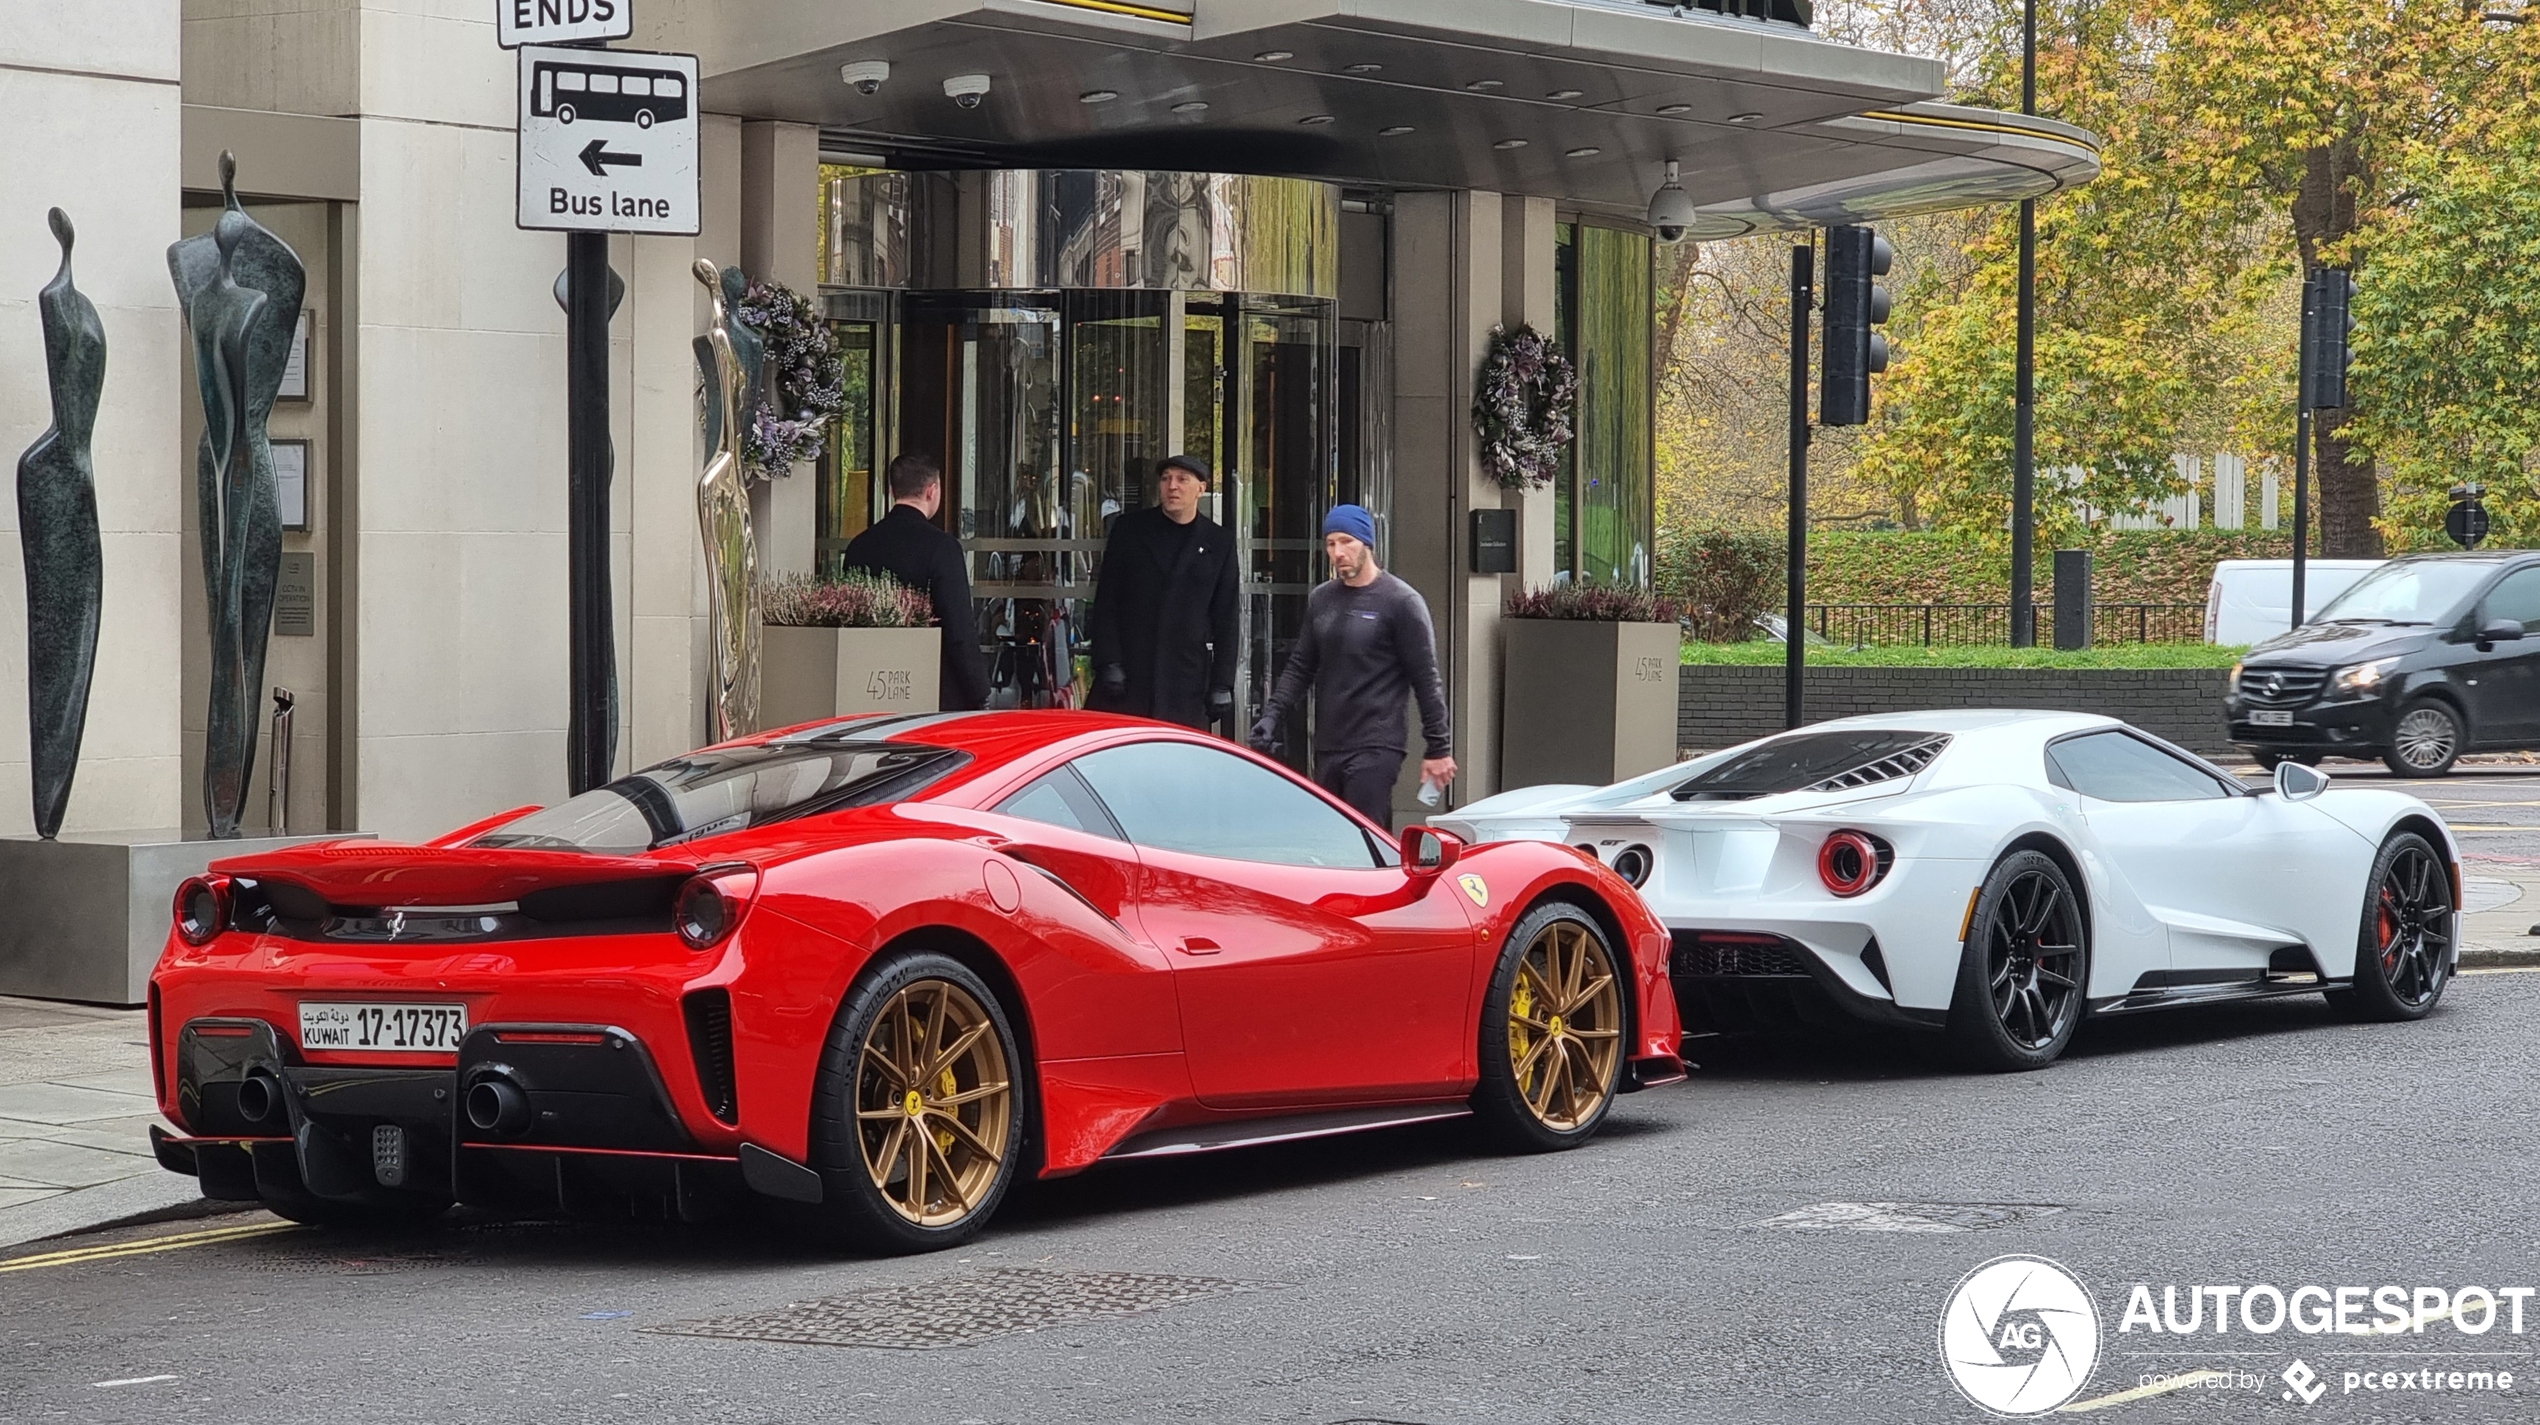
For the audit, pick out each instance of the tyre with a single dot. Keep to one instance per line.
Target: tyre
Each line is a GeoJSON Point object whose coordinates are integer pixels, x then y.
{"type": "Point", "coordinates": [2022, 975]}
{"type": "Point", "coordinates": [918, 1113]}
{"type": "Point", "coordinates": [2404, 950]}
{"type": "Point", "coordinates": [2425, 741]}
{"type": "Point", "coordinates": [1552, 1033]}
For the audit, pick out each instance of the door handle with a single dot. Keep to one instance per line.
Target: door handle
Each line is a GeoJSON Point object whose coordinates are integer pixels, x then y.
{"type": "Point", "coordinates": [1196, 945]}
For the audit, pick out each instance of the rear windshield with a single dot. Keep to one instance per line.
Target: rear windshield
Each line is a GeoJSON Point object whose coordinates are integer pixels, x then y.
{"type": "Point", "coordinates": [731, 789]}
{"type": "Point", "coordinates": [1786, 764]}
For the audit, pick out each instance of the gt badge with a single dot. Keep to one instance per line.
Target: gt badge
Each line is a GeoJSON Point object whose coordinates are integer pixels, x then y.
{"type": "Point", "coordinates": [1475, 887]}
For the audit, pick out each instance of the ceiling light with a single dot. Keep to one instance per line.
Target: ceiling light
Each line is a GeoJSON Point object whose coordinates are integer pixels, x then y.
{"type": "Point", "coordinates": [1675, 108]}
{"type": "Point", "coordinates": [1395, 132]}
{"type": "Point", "coordinates": [1509, 143]}
{"type": "Point", "coordinates": [1316, 119]}
{"type": "Point", "coordinates": [1366, 69]}
{"type": "Point", "coordinates": [1480, 85]}
{"type": "Point", "coordinates": [1191, 106]}
{"type": "Point", "coordinates": [1275, 56]}
{"type": "Point", "coordinates": [1583, 153]}
{"type": "Point", "coordinates": [1097, 96]}
{"type": "Point", "coordinates": [1744, 118]}
{"type": "Point", "coordinates": [1565, 94]}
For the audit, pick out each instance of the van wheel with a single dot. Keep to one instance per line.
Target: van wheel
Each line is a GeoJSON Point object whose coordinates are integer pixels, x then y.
{"type": "Point", "coordinates": [2425, 741]}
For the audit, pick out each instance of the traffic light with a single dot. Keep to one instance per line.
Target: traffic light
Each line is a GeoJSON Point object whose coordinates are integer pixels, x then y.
{"type": "Point", "coordinates": [2328, 319]}
{"type": "Point", "coordinates": [1855, 302]}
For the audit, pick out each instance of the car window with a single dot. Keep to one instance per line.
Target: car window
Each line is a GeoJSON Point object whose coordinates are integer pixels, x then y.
{"type": "Point", "coordinates": [2114, 767]}
{"type": "Point", "coordinates": [2517, 597]}
{"type": "Point", "coordinates": [1060, 799]}
{"type": "Point", "coordinates": [1180, 796]}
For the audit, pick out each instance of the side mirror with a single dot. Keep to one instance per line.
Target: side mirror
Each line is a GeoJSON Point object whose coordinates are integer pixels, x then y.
{"type": "Point", "coordinates": [2297, 783]}
{"type": "Point", "coordinates": [2500, 630]}
{"type": "Point", "coordinates": [1427, 851]}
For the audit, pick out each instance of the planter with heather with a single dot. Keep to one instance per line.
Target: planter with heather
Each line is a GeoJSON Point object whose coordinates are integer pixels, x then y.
{"type": "Point", "coordinates": [834, 648]}
{"type": "Point", "coordinates": [1589, 694]}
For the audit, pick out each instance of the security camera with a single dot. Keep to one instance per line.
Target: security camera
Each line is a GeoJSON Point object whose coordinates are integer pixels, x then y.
{"type": "Point", "coordinates": [867, 75]}
{"type": "Point", "coordinates": [967, 90]}
{"type": "Point", "coordinates": [1671, 208]}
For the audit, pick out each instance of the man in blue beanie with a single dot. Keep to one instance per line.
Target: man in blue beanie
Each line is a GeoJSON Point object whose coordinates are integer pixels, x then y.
{"type": "Point", "coordinates": [1367, 645]}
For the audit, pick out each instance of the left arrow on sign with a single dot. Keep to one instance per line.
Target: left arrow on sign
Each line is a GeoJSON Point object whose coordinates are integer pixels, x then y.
{"type": "Point", "coordinates": [597, 158]}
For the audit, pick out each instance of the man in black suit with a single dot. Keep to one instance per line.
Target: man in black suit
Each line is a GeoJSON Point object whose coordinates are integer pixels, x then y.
{"type": "Point", "coordinates": [1165, 608]}
{"type": "Point", "coordinates": [906, 545]}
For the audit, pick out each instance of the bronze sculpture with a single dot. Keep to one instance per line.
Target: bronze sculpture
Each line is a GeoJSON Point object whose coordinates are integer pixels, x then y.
{"type": "Point", "coordinates": [723, 518]}
{"type": "Point", "coordinates": [240, 287]}
{"type": "Point", "coordinates": [57, 528]}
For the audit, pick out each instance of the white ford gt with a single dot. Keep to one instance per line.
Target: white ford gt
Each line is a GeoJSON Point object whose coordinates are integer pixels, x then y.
{"type": "Point", "coordinates": [2001, 874]}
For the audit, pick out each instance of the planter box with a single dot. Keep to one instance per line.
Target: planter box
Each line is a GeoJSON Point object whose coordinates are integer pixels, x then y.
{"type": "Point", "coordinates": [89, 914]}
{"type": "Point", "coordinates": [1586, 702]}
{"type": "Point", "coordinates": [813, 674]}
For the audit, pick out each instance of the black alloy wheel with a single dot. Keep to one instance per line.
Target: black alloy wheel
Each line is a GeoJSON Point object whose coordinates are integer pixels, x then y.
{"type": "Point", "coordinates": [2425, 741]}
{"type": "Point", "coordinates": [2404, 951]}
{"type": "Point", "coordinates": [2022, 973]}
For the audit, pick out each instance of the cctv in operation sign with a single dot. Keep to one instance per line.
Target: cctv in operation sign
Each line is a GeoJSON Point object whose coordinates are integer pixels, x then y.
{"type": "Point", "coordinates": [608, 141]}
{"type": "Point", "coordinates": [556, 22]}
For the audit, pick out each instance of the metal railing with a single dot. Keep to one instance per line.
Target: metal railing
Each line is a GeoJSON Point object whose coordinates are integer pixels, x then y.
{"type": "Point", "coordinates": [1958, 625]}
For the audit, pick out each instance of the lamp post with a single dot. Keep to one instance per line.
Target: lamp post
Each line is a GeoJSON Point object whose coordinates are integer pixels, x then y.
{"type": "Point", "coordinates": [2024, 412]}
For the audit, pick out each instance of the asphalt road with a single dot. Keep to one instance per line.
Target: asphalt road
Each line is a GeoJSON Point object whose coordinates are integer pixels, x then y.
{"type": "Point", "coordinates": [1409, 1277]}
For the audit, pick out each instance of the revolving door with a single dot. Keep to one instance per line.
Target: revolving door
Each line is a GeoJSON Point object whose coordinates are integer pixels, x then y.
{"type": "Point", "coordinates": [1051, 406]}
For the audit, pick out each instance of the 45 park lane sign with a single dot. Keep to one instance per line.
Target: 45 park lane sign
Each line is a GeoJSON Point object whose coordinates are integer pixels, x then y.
{"type": "Point", "coordinates": [608, 141]}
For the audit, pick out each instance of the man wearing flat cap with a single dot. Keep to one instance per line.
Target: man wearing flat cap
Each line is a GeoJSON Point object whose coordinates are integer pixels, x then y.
{"type": "Point", "coordinates": [1165, 608]}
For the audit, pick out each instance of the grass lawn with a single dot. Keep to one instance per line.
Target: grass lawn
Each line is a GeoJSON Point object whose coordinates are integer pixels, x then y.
{"type": "Point", "coordinates": [1765, 653]}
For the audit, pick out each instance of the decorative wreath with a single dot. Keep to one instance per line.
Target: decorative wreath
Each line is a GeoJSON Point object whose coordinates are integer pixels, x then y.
{"type": "Point", "coordinates": [806, 380]}
{"type": "Point", "coordinates": [1524, 408]}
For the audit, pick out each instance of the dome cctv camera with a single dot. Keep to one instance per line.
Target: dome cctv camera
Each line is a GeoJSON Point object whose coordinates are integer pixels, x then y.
{"type": "Point", "coordinates": [967, 90]}
{"type": "Point", "coordinates": [867, 75]}
{"type": "Point", "coordinates": [1671, 209]}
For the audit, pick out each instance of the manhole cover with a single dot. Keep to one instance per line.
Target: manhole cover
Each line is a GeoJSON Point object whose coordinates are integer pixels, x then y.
{"type": "Point", "coordinates": [1908, 1216]}
{"type": "Point", "coordinates": [958, 1311]}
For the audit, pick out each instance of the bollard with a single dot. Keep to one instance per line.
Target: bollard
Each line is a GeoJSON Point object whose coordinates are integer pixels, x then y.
{"type": "Point", "coordinates": [278, 800]}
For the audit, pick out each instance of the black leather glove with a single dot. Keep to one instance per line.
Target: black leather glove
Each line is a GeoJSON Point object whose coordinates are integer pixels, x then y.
{"type": "Point", "coordinates": [1265, 735]}
{"type": "Point", "coordinates": [1221, 705]}
{"type": "Point", "coordinates": [1112, 681]}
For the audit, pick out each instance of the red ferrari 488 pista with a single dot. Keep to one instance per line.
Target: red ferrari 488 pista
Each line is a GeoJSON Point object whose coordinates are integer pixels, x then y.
{"type": "Point", "coordinates": [878, 967]}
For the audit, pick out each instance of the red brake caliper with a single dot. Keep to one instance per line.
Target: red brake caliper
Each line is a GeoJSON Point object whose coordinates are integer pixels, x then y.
{"type": "Point", "coordinates": [2389, 932]}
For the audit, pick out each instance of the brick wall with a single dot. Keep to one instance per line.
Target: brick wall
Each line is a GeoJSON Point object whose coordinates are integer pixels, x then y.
{"type": "Point", "coordinates": [1721, 707]}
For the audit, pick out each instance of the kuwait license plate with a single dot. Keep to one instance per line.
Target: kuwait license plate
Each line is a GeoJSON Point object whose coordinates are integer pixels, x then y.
{"type": "Point", "coordinates": [2271, 719]}
{"type": "Point", "coordinates": [384, 1028]}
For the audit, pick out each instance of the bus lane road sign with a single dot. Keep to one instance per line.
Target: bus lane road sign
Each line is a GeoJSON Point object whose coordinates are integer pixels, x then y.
{"type": "Point", "coordinates": [555, 22]}
{"type": "Point", "coordinates": [608, 141]}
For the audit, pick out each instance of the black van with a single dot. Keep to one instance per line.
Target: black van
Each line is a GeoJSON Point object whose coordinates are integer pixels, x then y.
{"type": "Point", "coordinates": [2423, 659]}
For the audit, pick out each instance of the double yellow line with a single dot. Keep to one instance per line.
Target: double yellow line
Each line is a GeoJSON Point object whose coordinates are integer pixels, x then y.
{"type": "Point", "coordinates": [78, 1256]}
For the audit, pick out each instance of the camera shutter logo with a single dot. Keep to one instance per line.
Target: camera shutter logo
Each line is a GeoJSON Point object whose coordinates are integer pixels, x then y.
{"type": "Point", "coordinates": [2019, 1336]}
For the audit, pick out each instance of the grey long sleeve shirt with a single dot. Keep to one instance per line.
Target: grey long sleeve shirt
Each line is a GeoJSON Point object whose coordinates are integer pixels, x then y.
{"type": "Point", "coordinates": [1364, 651]}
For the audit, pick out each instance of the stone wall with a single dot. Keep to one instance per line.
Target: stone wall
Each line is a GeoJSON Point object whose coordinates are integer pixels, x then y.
{"type": "Point", "coordinates": [1721, 707]}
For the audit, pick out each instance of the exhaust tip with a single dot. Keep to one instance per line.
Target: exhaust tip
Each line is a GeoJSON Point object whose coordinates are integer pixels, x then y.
{"type": "Point", "coordinates": [497, 1105]}
{"type": "Point", "coordinates": [260, 1097]}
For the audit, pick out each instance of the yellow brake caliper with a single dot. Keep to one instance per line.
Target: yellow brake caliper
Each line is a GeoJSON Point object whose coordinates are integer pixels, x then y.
{"type": "Point", "coordinates": [1521, 1036]}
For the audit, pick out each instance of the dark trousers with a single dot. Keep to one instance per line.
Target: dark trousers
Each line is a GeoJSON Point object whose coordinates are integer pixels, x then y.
{"type": "Point", "coordinates": [1363, 778]}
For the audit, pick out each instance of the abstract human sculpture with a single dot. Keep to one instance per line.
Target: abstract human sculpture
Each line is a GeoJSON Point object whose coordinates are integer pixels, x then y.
{"type": "Point", "coordinates": [723, 518]}
{"type": "Point", "coordinates": [241, 288]}
{"type": "Point", "coordinates": [57, 528]}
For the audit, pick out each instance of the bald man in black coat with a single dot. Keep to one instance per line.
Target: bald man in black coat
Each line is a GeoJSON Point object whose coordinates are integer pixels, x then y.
{"type": "Point", "coordinates": [1166, 608]}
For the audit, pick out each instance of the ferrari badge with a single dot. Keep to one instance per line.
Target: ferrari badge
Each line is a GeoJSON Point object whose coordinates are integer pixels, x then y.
{"type": "Point", "coordinates": [1475, 887]}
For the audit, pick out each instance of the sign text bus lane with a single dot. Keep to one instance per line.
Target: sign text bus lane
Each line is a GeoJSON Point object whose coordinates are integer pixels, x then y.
{"type": "Point", "coordinates": [608, 141]}
{"type": "Point", "coordinates": [555, 22]}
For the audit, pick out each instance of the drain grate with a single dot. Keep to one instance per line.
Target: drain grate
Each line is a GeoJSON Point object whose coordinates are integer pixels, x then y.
{"type": "Point", "coordinates": [365, 1265]}
{"type": "Point", "coordinates": [1908, 1216]}
{"type": "Point", "coordinates": [959, 1311]}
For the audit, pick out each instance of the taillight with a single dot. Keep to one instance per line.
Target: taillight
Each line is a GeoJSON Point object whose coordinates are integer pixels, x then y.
{"type": "Point", "coordinates": [1852, 861]}
{"type": "Point", "coordinates": [710, 906]}
{"type": "Point", "coordinates": [202, 909]}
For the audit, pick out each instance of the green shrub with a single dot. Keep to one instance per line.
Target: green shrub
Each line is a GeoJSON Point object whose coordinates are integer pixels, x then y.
{"type": "Point", "coordinates": [1723, 578]}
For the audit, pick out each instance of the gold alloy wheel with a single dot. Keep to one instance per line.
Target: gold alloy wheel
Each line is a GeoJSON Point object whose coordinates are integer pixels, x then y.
{"type": "Point", "coordinates": [1565, 1025]}
{"type": "Point", "coordinates": [934, 1101]}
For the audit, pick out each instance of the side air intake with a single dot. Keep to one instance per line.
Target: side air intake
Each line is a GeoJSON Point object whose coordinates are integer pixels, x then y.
{"type": "Point", "coordinates": [710, 1044]}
